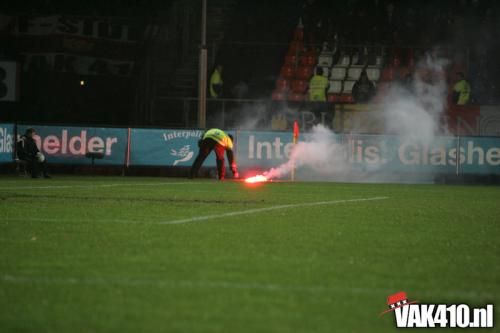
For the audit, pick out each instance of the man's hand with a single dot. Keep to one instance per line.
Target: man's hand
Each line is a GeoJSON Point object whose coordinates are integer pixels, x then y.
{"type": "Point", "coordinates": [234, 170]}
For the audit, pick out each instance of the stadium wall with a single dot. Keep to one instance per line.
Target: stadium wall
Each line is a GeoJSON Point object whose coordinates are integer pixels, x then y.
{"type": "Point", "coordinates": [139, 147]}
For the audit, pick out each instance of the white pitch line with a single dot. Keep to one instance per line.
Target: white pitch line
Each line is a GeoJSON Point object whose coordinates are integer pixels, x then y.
{"type": "Point", "coordinates": [235, 285]}
{"type": "Point", "coordinates": [93, 186]}
{"type": "Point", "coordinates": [266, 209]}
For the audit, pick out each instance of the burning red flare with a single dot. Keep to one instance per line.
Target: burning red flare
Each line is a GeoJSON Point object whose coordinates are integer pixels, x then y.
{"type": "Point", "coordinates": [256, 179]}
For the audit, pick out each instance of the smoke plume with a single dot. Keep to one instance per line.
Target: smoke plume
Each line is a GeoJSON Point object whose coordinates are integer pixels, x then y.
{"type": "Point", "coordinates": [412, 109]}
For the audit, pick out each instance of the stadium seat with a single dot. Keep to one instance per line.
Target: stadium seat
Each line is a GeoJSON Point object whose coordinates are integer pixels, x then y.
{"type": "Point", "coordinates": [347, 86]}
{"type": "Point", "coordinates": [378, 61]}
{"type": "Point", "coordinates": [278, 95]}
{"type": "Point", "coordinates": [325, 60]}
{"type": "Point", "coordinates": [353, 73]}
{"type": "Point", "coordinates": [305, 72]}
{"type": "Point", "coordinates": [298, 34]}
{"type": "Point", "coordinates": [287, 71]}
{"type": "Point", "coordinates": [307, 60]}
{"type": "Point", "coordinates": [373, 73]}
{"type": "Point", "coordinates": [346, 98]}
{"type": "Point", "coordinates": [355, 59]}
{"type": "Point", "coordinates": [282, 84]}
{"type": "Point", "coordinates": [296, 47]}
{"type": "Point", "coordinates": [291, 59]}
{"type": "Point", "coordinates": [326, 71]}
{"type": "Point", "coordinates": [387, 74]}
{"type": "Point", "coordinates": [338, 73]}
{"type": "Point", "coordinates": [296, 97]}
{"type": "Point", "coordinates": [334, 98]}
{"type": "Point", "coordinates": [335, 87]}
{"type": "Point", "coordinates": [344, 61]}
{"type": "Point", "coordinates": [299, 86]}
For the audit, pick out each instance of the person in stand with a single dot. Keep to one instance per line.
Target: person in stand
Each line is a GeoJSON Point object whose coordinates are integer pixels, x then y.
{"type": "Point", "coordinates": [217, 140]}
{"type": "Point", "coordinates": [28, 151]}
{"type": "Point", "coordinates": [317, 86]}
{"type": "Point", "coordinates": [363, 90]}
{"type": "Point", "coordinates": [216, 82]}
{"type": "Point", "coordinates": [461, 90]}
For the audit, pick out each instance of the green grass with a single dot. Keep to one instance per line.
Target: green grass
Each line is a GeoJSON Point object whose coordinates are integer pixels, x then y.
{"type": "Point", "coordinates": [83, 256]}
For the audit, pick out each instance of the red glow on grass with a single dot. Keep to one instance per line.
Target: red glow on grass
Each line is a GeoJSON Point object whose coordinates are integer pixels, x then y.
{"type": "Point", "coordinates": [256, 179]}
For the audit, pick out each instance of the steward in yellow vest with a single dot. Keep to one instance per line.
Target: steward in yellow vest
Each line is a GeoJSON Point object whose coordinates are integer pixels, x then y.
{"type": "Point", "coordinates": [220, 142]}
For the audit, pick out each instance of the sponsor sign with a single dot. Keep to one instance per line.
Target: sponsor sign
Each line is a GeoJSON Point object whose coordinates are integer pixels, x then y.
{"type": "Point", "coordinates": [6, 142]}
{"type": "Point", "coordinates": [68, 145]}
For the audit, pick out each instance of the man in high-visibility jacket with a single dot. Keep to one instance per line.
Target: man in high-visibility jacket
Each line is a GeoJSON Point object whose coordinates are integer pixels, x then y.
{"type": "Point", "coordinates": [217, 140]}
{"type": "Point", "coordinates": [216, 82]}
{"type": "Point", "coordinates": [317, 86]}
{"type": "Point", "coordinates": [461, 90]}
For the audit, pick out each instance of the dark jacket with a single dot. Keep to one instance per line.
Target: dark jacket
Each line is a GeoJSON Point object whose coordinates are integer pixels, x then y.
{"type": "Point", "coordinates": [26, 148]}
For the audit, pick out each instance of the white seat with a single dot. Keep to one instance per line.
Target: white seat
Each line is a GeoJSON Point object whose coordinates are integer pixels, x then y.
{"type": "Point", "coordinates": [344, 61]}
{"type": "Point", "coordinates": [353, 73]}
{"type": "Point", "coordinates": [337, 73]}
{"type": "Point", "coordinates": [348, 84]}
{"type": "Point", "coordinates": [373, 73]}
{"type": "Point", "coordinates": [335, 87]}
{"type": "Point", "coordinates": [325, 60]}
{"type": "Point", "coordinates": [326, 71]}
{"type": "Point", "coordinates": [378, 61]}
{"type": "Point", "coordinates": [355, 58]}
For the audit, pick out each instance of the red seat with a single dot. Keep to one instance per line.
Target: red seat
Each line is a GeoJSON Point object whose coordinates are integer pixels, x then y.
{"type": "Point", "coordinates": [298, 34]}
{"type": "Point", "coordinates": [299, 86]}
{"type": "Point", "coordinates": [387, 74]}
{"type": "Point", "coordinates": [296, 47]}
{"type": "Point", "coordinates": [282, 84]}
{"type": "Point", "coordinates": [287, 71]}
{"type": "Point", "coordinates": [307, 60]}
{"type": "Point", "coordinates": [334, 98]}
{"type": "Point", "coordinates": [346, 98]}
{"type": "Point", "coordinates": [278, 95]}
{"type": "Point", "coordinates": [291, 59]}
{"type": "Point", "coordinates": [305, 72]}
{"type": "Point", "coordinates": [296, 97]}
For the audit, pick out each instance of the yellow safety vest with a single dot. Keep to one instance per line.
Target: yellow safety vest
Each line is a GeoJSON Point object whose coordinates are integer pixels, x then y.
{"type": "Point", "coordinates": [215, 79]}
{"type": "Point", "coordinates": [220, 136]}
{"type": "Point", "coordinates": [463, 90]}
{"type": "Point", "coordinates": [317, 87]}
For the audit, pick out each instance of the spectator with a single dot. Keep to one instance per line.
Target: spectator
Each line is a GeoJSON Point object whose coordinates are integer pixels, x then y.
{"type": "Point", "coordinates": [27, 151]}
{"type": "Point", "coordinates": [363, 90]}
{"type": "Point", "coordinates": [216, 82]}
{"type": "Point", "coordinates": [317, 86]}
{"type": "Point", "coordinates": [461, 90]}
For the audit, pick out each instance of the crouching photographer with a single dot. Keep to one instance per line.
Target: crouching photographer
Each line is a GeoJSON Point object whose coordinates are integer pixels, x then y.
{"type": "Point", "coordinates": [27, 151]}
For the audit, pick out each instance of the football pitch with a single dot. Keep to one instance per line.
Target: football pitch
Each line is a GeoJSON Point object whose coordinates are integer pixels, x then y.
{"type": "Point", "coordinates": [127, 254]}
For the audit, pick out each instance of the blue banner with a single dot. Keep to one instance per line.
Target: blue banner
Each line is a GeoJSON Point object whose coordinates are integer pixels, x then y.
{"type": "Point", "coordinates": [6, 142]}
{"type": "Point", "coordinates": [166, 147]}
{"type": "Point", "coordinates": [68, 145]}
{"type": "Point", "coordinates": [380, 153]}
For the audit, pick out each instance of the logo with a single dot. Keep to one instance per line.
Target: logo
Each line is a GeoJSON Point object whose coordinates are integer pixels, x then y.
{"type": "Point", "coordinates": [412, 314]}
{"type": "Point", "coordinates": [184, 154]}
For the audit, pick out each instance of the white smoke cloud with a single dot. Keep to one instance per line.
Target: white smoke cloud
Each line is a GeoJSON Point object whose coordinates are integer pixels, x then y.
{"type": "Point", "coordinates": [413, 112]}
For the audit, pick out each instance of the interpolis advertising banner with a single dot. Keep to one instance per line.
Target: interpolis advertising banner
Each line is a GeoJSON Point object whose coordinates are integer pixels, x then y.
{"type": "Point", "coordinates": [167, 147]}
{"type": "Point", "coordinates": [68, 145]}
{"type": "Point", "coordinates": [381, 153]}
{"type": "Point", "coordinates": [159, 147]}
{"type": "Point", "coordinates": [259, 150]}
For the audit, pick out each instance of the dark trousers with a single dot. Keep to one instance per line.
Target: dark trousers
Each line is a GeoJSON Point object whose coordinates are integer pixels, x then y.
{"type": "Point", "coordinates": [206, 147]}
{"type": "Point", "coordinates": [34, 167]}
